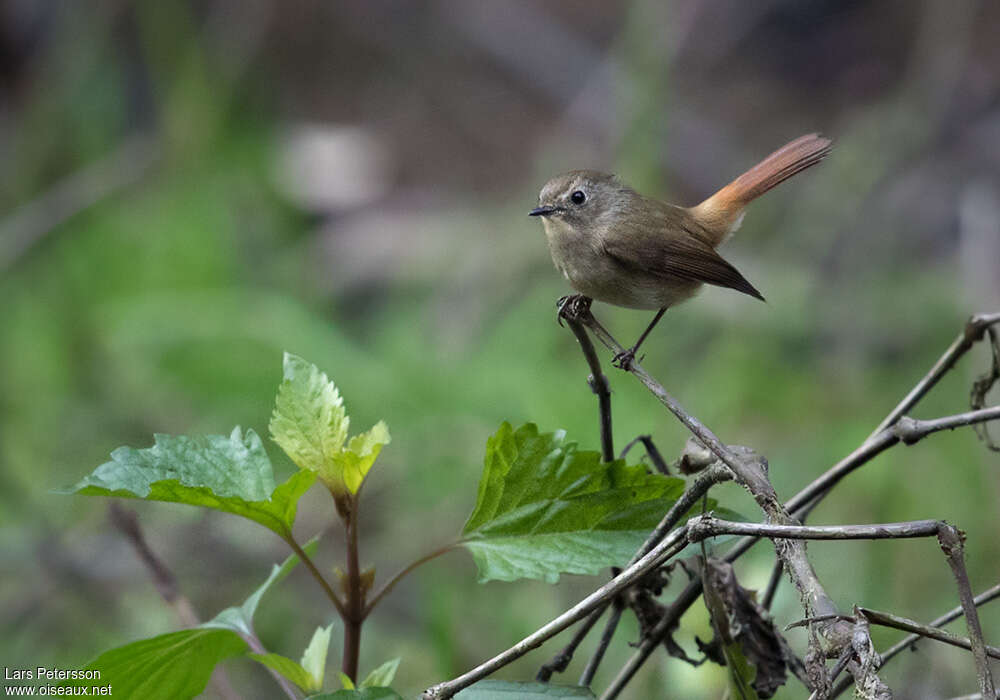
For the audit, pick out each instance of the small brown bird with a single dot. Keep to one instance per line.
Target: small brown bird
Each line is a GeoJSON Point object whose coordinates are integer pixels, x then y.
{"type": "Point", "coordinates": [617, 246]}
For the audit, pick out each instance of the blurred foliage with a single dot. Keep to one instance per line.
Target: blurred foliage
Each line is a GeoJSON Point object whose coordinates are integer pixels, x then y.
{"type": "Point", "coordinates": [163, 238]}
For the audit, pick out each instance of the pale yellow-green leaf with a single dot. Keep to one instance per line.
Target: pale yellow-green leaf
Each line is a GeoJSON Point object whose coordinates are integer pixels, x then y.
{"type": "Point", "coordinates": [345, 681]}
{"type": "Point", "coordinates": [309, 421]}
{"type": "Point", "coordinates": [382, 676]}
{"type": "Point", "coordinates": [361, 453]}
{"type": "Point", "coordinates": [314, 657]}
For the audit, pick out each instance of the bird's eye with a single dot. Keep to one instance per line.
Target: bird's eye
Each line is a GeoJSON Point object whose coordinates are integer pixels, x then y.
{"type": "Point", "coordinates": [578, 197]}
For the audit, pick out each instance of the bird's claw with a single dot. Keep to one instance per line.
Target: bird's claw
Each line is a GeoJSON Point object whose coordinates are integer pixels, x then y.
{"type": "Point", "coordinates": [572, 307]}
{"type": "Point", "coordinates": [624, 359]}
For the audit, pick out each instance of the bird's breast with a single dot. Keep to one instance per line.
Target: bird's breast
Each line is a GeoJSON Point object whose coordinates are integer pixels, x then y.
{"type": "Point", "coordinates": [591, 271]}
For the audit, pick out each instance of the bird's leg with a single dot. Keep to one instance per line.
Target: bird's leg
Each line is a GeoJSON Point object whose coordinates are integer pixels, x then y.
{"type": "Point", "coordinates": [572, 307]}
{"type": "Point", "coordinates": [623, 360]}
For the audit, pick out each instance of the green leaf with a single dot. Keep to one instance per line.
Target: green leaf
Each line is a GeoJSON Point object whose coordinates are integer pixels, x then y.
{"type": "Point", "coordinates": [170, 666]}
{"type": "Point", "coordinates": [289, 669]}
{"type": "Point", "coordinates": [239, 618]}
{"type": "Point", "coordinates": [311, 424]}
{"type": "Point", "coordinates": [309, 419]}
{"type": "Point", "coordinates": [362, 694]}
{"type": "Point", "coordinates": [381, 676]}
{"type": "Point", "coordinates": [509, 690]}
{"type": "Point", "coordinates": [231, 474]}
{"type": "Point", "coordinates": [314, 657]}
{"type": "Point", "coordinates": [361, 453]}
{"type": "Point", "coordinates": [345, 681]}
{"type": "Point", "coordinates": [741, 673]}
{"type": "Point", "coordinates": [545, 508]}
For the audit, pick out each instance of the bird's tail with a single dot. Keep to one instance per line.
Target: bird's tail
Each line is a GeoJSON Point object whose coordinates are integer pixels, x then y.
{"type": "Point", "coordinates": [724, 209]}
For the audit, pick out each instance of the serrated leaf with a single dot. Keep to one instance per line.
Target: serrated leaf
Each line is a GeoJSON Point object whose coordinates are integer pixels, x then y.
{"type": "Point", "coordinates": [231, 474]}
{"type": "Point", "coordinates": [545, 508]}
{"type": "Point", "coordinates": [170, 666]}
{"type": "Point", "coordinates": [289, 669]}
{"type": "Point", "coordinates": [382, 676]}
{"type": "Point", "coordinates": [240, 618]}
{"type": "Point", "coordinates": [309, 419]}
{"type": "Point", "coordinates": [361, 694]}
{"type": "Point", "coordinates": [510, 690]}
{"type": "Point", "coordinates": [311, 425]}
{"type": "Point", "coordinates": [361, 453]}
{"type": "Point", "coordinates": [314, 657]}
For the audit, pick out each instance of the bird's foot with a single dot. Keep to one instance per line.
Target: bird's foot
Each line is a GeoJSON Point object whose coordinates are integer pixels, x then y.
{"type": "Point", "coordinates": [625, 358]}
{"type": "Point", "coordinates": [572, 307]}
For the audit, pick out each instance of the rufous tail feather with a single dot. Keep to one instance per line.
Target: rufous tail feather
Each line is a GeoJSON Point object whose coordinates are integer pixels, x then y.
{"type": "Point", "coordinates": [722, 212]}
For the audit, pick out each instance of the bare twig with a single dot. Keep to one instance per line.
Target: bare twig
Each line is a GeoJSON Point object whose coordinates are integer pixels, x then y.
{"type": "Point", "coordinates": [901, 623]}
{"type": "Point", "coordinates": [952, 544]}
{"type": "Point", "coordinates": [953, 614]}
{"type": "Point", "coordinates": [702, 526]}
{"type": "Point", "coordinates": [972, 333]}
{"type": "Point", "coordinates": [752, 474]}
{"type": "Point", "coordinates": [597, 382]}
{"type": "Point", "coordinates": [772, 584]}
{"type": "Point", "coordinates": [587, 677]}
{"type": "Point", "coordinates": [909, 640]}
{"type": "Point", "coordinates": [391, 583]}
{"type": "Point", "coordinates": [559, 662]}
{"type": "Point", "coordinates": [654, 638]}
{"type": "Point", "coordinates": [669, 547]}
{"type": "Point", "coordinates": [127, 522]}
{"type": "Point", "coordinates": [651, 451]}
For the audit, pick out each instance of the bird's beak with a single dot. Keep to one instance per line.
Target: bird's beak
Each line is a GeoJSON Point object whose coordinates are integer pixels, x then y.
{"type": "Point", "coordinates": [544, 210]}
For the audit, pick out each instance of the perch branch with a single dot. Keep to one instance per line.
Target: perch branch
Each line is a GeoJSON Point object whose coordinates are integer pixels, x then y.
{"type": "Point", "coordinates": [598, 383]}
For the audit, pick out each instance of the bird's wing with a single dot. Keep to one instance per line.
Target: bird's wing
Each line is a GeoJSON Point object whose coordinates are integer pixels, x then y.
{"type": "Point", "coordinates": [686, 256]}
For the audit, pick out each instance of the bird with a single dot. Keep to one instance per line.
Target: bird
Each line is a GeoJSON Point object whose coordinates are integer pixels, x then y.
{"type": "Point", "coordinates": [623, 248]}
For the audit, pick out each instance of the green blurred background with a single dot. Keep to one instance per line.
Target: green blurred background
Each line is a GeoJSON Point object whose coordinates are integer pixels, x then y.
{"type": "Point", "coordinates": [189, 188]}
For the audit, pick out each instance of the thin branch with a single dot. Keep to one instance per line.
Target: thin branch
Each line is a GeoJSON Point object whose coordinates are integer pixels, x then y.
{"type": "Point", "coordinates": [127, 522]}
{"type": "Point", "coordinates": [906, 430]}
{"type": "Point", "coordinates": [653, 639]}
{"type": "Point", "coordinates": [772, 584]}
{"type": "Point", "coordinates": [953, 614]}
{"type": "Point", "coordinates": [559, 662]}
{"type": "Point", "coordinates": [669, 547]}
{"type": "Point", "coordinates": [804, 501]}
{"type": "Point", "coordinates": [972, 333]}
{"type": "Point", "coordinates": [324, 584]}
{"type": "Point", "coordinates": [901, 623]}
{"type": "Point", "coordinates": [952, 544]}
{"type": "Point", "coordinates": [702, 526]}
{"type": "Point", "coordinates": [598, 383]}
{"type": "Point", "coordinates": [752, 474]}
{"type": "Point", "coordinates": [402, 573]}
{"type": "Point", "coordinates": [841, 664]}
{"type": "Point", "coordinates": [910, 430]}
{"type": "Point", "coordinates": [587, 677]}
{"type": "Point", "coordinates": [910, 640]}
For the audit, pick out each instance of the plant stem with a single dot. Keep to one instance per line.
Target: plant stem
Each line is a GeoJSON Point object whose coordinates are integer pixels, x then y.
{"type": "Point", "coordinates": [355, 595]}
{"type": "Point", "coordinates": [324, 584]}
{"type": "Point", "coordinates": [391, 583]}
